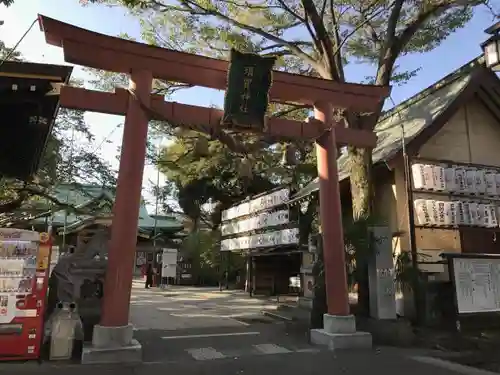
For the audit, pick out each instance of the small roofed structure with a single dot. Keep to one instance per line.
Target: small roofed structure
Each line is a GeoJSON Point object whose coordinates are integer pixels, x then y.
{"type": "Point", "coordinates": [29, 102]}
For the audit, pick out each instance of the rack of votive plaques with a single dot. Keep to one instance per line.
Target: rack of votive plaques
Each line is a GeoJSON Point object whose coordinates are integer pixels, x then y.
{"type": "Point", "coordinates": [17, 266]}
{"type": "Point", "coordinates": [472, 194]}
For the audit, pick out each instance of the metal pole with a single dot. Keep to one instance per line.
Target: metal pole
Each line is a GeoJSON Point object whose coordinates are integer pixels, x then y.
{"type": "Point", "coordinates": [70, 172]}
{"type": "Point", "coordinates": [156, 209]}
{"type": "Point", "coordinates": [228, 261]}
{"type": "Point", "coordinates": [412, 238]}
{"type": "Point", "coordinates": [411, 225]}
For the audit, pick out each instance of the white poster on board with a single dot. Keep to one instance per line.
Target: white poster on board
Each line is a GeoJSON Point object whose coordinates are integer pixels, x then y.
{"type": "Point", "coordinates": [7, 307]}
{"type": "Point", "coordinates": [477, 284]}
{"type": "Point", "coordinates": [169, 263]}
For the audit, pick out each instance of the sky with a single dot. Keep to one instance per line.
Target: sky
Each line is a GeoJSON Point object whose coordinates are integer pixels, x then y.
{"type": "Point", "coordinates": [458, 49]}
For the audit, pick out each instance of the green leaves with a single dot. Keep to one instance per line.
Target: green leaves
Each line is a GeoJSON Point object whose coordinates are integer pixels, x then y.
{"type": "Point", "coordinates": [7, 2]}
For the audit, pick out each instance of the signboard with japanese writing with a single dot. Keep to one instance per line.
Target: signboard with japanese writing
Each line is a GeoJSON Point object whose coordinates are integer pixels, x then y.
{"type": "Point", "coordinates": [477, 284]}
{"type": "Point", "coordinates": [169, 263]}
{"type": "Point", "coordinates": [249, 81]}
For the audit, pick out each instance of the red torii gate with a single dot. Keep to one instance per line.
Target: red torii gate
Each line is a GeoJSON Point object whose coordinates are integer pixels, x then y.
{"type": "Point", "coordinates": [144, 63]}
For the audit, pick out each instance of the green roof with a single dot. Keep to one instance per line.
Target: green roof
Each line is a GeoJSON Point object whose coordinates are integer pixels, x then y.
{"type": "Point", "coordinates": [82, 196]}
{"type": "Point", "coordinates": [411, 117]}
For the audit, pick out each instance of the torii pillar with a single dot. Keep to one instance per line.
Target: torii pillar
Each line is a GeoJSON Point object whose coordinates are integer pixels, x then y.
{"type": "Point", "coordinates": [113, 337]}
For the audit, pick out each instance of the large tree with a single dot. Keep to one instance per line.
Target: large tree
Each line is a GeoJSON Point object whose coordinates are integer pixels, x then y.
{"type": "Point", "coordinates": [201, 170]}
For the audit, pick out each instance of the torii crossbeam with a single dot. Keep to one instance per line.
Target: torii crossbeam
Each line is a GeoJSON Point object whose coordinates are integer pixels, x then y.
{"type": "Point", "coordinates": [144, 63]}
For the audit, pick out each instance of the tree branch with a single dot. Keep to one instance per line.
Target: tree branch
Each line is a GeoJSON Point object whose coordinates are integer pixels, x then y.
{"type": "Point", "coordinates": [213, 12]}
{"type": "Point", "coordinates": [425, 14]}
{"type": "Point", "coordinates": [370, 30]}
{"type": "Point", "coordinates": [323, 9]}
{"type": "Point", "coordinates": [357, 28]}
{"type": "Point", "coordinates": [314, 37]}
{"type": "Point", "coordinates": [393, 22]}
{"type": "Point", "coordinates": [297, 43]}
{"type": "Point", "coordinates": [290, 11]}
{"type": "Point", "coordinates": [332, 68]}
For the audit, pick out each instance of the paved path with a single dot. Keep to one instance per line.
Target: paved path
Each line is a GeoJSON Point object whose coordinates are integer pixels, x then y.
{"type": "Point", "coordinates": [296, 363]}
{"type": "Point", "coordinates": [201, 331]}
{"type": "Point", "coordinates": [203, 324]}
{"type": "Point", "coordinates": [189, 307]}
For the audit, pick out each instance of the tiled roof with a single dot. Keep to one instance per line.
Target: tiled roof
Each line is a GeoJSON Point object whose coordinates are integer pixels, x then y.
{"type": "Point", "coordinates": [85, 195]}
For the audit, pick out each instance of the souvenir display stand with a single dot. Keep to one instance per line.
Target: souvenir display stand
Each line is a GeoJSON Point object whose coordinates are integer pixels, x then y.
{"type": "Point", "coordinates": [24, 274]}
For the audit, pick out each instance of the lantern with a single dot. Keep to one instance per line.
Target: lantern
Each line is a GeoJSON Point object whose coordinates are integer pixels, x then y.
{"type": "Point", "coordinates": [289, 156]}
{"type": "Point", "coordinates": [245, 168]}
{"type": "Point", "coordinates": [491, 47]}
{"type": "Point", "coordinates": [201, 147]}
{"type": "Point", "coordinates": [178, 131]}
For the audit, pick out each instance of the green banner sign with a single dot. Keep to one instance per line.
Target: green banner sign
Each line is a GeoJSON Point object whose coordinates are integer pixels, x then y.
{"type": "Point", "coordinates": [247, 93]}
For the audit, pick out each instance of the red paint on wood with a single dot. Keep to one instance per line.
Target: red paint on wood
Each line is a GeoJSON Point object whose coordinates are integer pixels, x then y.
{"type": "Point", "coordinates": [331, 217]}
{"type": "Point", "coordinates": [123, 243]}
{"type": "Point", "coordinates": [177, 113]}
{"type": "Point", "coordinates": [100, 51]}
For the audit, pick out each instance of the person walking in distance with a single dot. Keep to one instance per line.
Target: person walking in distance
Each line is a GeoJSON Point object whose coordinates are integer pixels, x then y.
{"type": "Point", "coordinates": [149, 275]}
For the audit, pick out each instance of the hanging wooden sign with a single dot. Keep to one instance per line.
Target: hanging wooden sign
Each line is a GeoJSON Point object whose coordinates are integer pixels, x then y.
{"type": "Point", "coordinates": [247, 92]}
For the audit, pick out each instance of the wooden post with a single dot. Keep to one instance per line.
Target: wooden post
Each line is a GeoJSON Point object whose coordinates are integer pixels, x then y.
{"type": "Point", "coordinates": [118, 284]}
{"type": "Point", "coordinates": [331, 216]}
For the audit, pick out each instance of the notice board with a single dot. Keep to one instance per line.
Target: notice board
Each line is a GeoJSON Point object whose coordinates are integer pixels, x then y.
{"type": "Point", "coordinates": [169, 263]}
{"type": "Point", "coordinates": [477, 284]}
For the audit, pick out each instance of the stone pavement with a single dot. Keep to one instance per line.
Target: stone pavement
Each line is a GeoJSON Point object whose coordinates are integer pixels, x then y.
{"type": "Point", "coordinates": [297, 363]}
{"type": "Point", "coordinates": [198, 331]}
{"type": "Point", "coordinates": [183, 323]}
{"type": "Point", "coordinates": [191, 307]}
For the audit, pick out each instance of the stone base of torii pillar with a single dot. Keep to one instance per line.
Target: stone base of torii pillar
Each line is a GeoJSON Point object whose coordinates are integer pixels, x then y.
{"type": "Point", "coordinates": [339, 332]}
{"type": "Point", "coordinates": [112, 345]}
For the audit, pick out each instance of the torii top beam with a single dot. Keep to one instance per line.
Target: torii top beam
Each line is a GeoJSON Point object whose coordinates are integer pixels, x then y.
{"type": "Point", "coordinates": [116, 104]}
{"type": "Point", "coordinates": [84, 47]}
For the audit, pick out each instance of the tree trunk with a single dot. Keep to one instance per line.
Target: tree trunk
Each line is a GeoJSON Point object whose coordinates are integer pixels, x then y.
{"type": "Point", "coordinates": [362, 197]}
{"type": "Point", "coordinates": [360, 160]}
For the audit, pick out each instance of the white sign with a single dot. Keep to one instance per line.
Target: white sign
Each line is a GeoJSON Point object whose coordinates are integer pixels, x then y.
{"type": "Point", "coordinates": [140, 258]}
{"type": "Point", "coordinates": [169, 263]}
{"type": "Point", "coordinates": [7, 307]}
{"type": "Point", "coordinates": [21, 235]}
{"type": "Point", "coordinates": [262, 220]}
{"type": "Point", "coordinates": [477, 284]}
{"type": "Point", "coordinates": [308, 286]}
{"type": "Point", "coordinates": [264, 202]}
{"type": "Point", "coordinates": [277, 238]}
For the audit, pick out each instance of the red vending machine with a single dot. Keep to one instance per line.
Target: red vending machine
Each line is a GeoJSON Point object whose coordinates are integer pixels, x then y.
{"type": "Point", "coordinates": [24, 276]}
